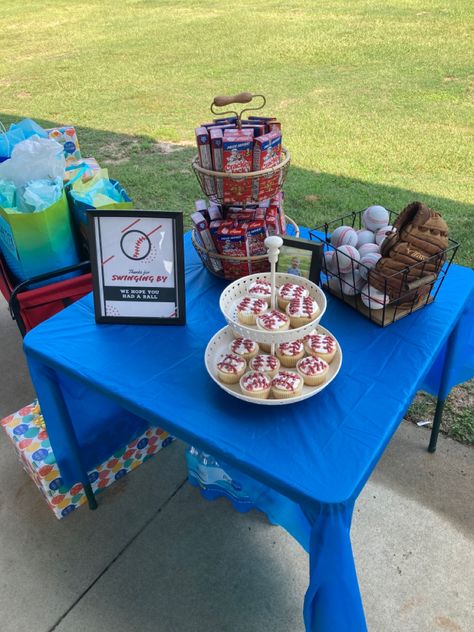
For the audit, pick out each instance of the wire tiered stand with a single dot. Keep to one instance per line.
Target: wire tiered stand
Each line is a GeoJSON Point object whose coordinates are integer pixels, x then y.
{"type": "Point", "coordinates": [212, 185]}
{"type": "Point", "coordinates": [231, 296]}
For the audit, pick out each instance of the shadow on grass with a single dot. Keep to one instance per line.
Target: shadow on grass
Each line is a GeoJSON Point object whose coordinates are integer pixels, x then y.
{"type": "Point", "coordinates": [159, 175]}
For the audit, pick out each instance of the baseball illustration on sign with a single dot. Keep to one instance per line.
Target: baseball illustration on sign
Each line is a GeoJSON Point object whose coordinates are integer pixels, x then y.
{"type": "Point", "coordinates": [136, 265]}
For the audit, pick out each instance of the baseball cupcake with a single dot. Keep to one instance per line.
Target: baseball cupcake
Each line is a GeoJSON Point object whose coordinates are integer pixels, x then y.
{"type": "Point", "coordinates": [244, 347]}
{"type": "Point", "coordinates": [273, 321]}
{"type": "Point", "coordinates": [268, 364]}
{"type": "Point", "coordinates": [260, 289]}
{"type": "Point", "coordinates": [312, 370]}
{"type": "Point", "coordinates": [248, 309]}
{"type": "Point", "coordinates": [255, 384]}
{"type": "Point", "coordinates": [321, 346]}
{"type": "Point", "coordinates": [230, 368]}
{"type": "Point", "coordinates": [286, 384]}
{"type": "Point", "coordinates": [290, 291]}
{"type": "Point", "coordinates": [302, 311]}
{"type": "Point", "coordinates": [290, 352]}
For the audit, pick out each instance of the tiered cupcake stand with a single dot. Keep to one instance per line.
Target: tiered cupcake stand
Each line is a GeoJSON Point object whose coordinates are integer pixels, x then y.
{"type": "Point", "coordinates": [231, 296]}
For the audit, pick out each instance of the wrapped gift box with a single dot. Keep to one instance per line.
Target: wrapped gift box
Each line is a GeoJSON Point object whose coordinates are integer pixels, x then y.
{"type": "Point", "coordinates": [67, 137]}
{"type": "Point", "coordinates": [27, 432]}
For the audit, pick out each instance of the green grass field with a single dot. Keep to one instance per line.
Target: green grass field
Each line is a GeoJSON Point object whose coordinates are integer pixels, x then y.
{"type": "Point", "coordinates": [376, 99]}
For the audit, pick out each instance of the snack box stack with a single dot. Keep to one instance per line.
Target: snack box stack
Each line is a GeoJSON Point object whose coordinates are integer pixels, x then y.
{"type": "Point", "coordinates": [27, 431]}
{"type": "Point", "coordinates": [238, 232]}
{"type": "Point", "coordinates": [254, 146]}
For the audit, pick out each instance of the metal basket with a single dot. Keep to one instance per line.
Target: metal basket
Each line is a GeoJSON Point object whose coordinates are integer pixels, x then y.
{"type": "Point", "coordinates": [213, 182]}
{"type": "Point", "coordinates": [223, 266]}
{"type": "Point", "coordinates": [417, 288]}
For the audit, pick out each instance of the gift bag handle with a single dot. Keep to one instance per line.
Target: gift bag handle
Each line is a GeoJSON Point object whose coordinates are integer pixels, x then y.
{"type": "Point", "coordinates": [3, 130]}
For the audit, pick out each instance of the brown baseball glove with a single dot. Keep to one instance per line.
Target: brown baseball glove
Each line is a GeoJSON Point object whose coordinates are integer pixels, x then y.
{"type": "Point", "coordinates": [414, 250]}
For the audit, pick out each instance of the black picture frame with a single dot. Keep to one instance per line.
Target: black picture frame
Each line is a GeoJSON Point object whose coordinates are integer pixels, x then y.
{"type": "Point", "coordinates": [293, 244]}
{"type": "Point", "coordinates": [125, 236]}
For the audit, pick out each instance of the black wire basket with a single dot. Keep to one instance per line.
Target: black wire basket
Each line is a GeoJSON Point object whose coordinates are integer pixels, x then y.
{"type": "Point", "coordinates": [417, 285]}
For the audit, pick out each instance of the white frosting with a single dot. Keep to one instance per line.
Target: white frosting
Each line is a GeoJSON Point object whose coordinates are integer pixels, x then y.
{"type": "Point", "coordinates": [303, 308]}
{"type": "Point", "coordinates": [312, 366]}
{"type": "Point", "coordinates": [290, 349]}
{"type": "Point", "coordinates": [272, 320]}
{"type": "Point", "coordinates": [287, 381]}
{"type": "Point", "coordinates": [241, 346]}
{"type": "Point", "coordinates": [264, 363]}
{"type": "Point", "coordinates": [249, 305]}
{"type": "Point", "coordinates": [260, 289]}
{"type": "Point", "coordinates": [289, 291]}
{"type": "Point", "coordinates": [255, 381]}
{"type": "Point", "coordinates": [231, 363]}
{"type": "Point", "coordinates": [321, 344]}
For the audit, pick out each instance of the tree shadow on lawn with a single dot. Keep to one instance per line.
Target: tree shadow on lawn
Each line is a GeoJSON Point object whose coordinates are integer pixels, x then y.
{"type": "Point", "coordinates": [160, 175]}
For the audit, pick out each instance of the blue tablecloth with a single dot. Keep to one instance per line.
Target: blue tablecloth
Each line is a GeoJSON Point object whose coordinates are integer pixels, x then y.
{"type": "Point", "coordinates": [308, 461]}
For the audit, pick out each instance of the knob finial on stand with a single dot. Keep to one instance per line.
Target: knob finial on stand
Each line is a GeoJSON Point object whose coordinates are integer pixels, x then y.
{"type": "Point", "coordinates": [273, 245]}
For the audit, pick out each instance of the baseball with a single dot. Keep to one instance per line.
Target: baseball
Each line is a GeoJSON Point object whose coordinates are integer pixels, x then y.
{"type": "Point", "coordinates": [366, 248]}
{"type": "Point", "coordinates": [135, 245]}
{"type": "Point", "coordinates": [329, 262]}
{"type": "Point", "coordinates": [372, 298]}
{"type": "Point", "coordinates": [382, 233]}
{"type": "Point", "coordinates": [367, 262]}
{"type": "Point", "coordinates": [345, 257]}
{"type": "Point", "coordinates": [352, 283]}
{"type": "Point", "coordinates": [364, 237]}
{"type": "Point", "coordinates": [344, 236]}
{"type": "Point", "coordinates": [375, 217]}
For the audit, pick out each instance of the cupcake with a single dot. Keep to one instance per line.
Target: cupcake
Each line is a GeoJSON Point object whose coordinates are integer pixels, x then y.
{"type": "Point", "coordinates": [255, 384]}
{"type": "Point", "coordinates": [302, 311]}
{"type": "Point", "coordinates": [290, 352]}
{"type": "Point", "coordinates": [286, 384]}
{"type": "Point", "coordinates": [260, 289]}
{"type": "Point", "coordinates": [312, 370]}
{"type": "Point", "coordinates": [290, 291]}
{"type": "Point", "coordinates": [273, 321]}
{"type": "Point", "coordinates": [268, 364]}
{"type": "Point", "coordinates": [244, 347]}
{"type": "Point", "coordinates": [321, 346]}
{"type": "Point", "coordinates": [249, 308]}
{"type": "Point", "coordinates": [230, 368]}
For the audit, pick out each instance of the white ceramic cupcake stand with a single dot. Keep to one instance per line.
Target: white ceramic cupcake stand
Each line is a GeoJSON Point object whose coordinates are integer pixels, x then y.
{"type": "Point", "coordinates": [233, 294]}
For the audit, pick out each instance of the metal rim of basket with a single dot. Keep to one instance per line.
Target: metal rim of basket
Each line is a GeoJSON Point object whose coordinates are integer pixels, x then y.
{"type": "Point", "coordinates": [216, 255]}
{"type": "Point", "coordinates": [248, 174]}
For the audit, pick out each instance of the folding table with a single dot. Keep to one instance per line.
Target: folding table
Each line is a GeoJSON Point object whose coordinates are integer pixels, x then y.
{"type": "Point", "coordinates": [306, 462]}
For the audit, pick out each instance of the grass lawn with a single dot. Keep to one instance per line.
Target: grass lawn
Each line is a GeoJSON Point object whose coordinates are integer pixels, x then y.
{"type": "Point", "coordinates": [376, 99]}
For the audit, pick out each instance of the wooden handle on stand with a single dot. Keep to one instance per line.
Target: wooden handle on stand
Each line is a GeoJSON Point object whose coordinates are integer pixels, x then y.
{"type": "Point", "coordinates": [243, 97]}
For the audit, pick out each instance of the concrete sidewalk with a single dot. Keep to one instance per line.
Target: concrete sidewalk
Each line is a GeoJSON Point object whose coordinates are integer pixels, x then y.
{"type": "Point", "coordinates": [156, 557]}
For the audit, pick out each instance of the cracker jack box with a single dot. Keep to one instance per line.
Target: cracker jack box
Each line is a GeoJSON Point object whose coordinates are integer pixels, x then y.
{"type": "Point", "coordinates": [266, 154]}
{"type": "Point", "coordinates": [256, 235]}
{"type": "Point", "coordinates": [232, 241]}
{"type": "Point", "coordinates": [67, 137]}
{"type": "Point", "coordinates": [27, 432]}
{"type": "Point", "coordinates": [204, 237]}
{"type": "Point", "coordinates": [237, 149]}
{"type": "Point", "coordinates": [205, 158]}
{"type": "Point", "coordinates": [217, 158]}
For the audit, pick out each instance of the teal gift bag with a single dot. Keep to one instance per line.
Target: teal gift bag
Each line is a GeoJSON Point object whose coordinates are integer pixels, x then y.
{"type": "Point", "coordinates": [38, 242]}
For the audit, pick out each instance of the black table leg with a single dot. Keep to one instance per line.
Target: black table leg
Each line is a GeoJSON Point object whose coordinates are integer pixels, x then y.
{"type": "Point", "coordinates": [91, 500]}
{"type": "Point", "coordinates": [436, 424]}
{"type": "Point", "coordinates": [443, 390]}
